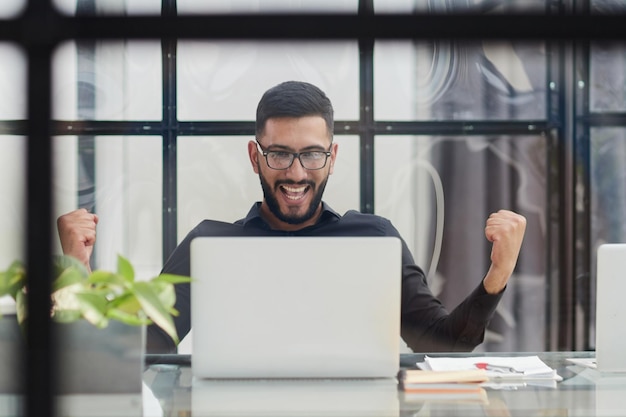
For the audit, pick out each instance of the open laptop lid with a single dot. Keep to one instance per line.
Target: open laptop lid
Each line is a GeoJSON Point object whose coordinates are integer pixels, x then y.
{"type": "Point", "coordinates": [611, 308]}
{"type": "Point", "coordinates": [295, 307]}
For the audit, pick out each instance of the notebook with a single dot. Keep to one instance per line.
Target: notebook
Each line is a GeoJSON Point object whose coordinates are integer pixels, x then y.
{"type": "Point", "coordinates": [611, 308]}
{"type": "Point", "coordinates": [295, 307]}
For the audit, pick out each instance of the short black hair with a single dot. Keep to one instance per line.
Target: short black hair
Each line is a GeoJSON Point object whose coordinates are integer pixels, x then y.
{"type": "Point", "coordinates": [294, 99]}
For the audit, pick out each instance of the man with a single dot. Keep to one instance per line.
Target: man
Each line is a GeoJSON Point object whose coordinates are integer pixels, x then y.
{"type": "Point", "coordinates": [294, 155]}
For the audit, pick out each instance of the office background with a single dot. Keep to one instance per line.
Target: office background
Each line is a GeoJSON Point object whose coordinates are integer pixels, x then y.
{"type": "Point", "coordinates": [433, 133]}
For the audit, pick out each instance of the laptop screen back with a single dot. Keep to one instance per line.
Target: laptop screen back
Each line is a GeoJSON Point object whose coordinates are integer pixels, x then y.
{"type": "Point", "coordinates": [295, 307]}
{"type": "Point", "coordinates": [611, 308]}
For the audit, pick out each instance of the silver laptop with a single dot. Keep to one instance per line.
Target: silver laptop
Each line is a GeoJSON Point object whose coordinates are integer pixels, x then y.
{"type": "Point", "coordinates": [611, 308]}
{"type": "Point", "coordinates": [289, 397]}
{"type": "Point", "coordinates": [295, 307]}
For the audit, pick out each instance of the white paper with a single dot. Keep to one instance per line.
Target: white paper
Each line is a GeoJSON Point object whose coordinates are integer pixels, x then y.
{"type": "Point", "coordinates": [526, 367]}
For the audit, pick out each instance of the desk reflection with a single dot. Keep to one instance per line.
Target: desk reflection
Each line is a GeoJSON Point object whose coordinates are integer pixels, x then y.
{"type": "Point", "coordinates": [609, 390]}
{"type": "Point", "coordinates": [583, 392]}
{"type": "Point", "coordinates": [295, 398]}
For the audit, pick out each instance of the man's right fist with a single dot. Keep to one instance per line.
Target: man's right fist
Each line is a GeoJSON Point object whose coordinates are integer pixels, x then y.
{"type": "Point", "coordinates": [77, 231]}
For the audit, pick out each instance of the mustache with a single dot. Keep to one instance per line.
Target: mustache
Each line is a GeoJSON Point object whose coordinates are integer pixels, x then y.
{"type": "Point", "coordinates": [292, 182]}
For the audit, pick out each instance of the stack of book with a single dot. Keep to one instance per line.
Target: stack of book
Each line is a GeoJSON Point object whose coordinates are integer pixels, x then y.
{"type": "Point", "coordinates": [464, 379]}
{"type": "Point", "coordinates": [443, 386]}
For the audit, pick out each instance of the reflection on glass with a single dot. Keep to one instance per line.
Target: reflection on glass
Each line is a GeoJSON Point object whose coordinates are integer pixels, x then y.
{"type": "Point", "coordinates": [607, 84]}
{"type": "Point", "coordinates": [13, 232]}
{"type": "Point", "coordinates": [122, 176]}
{"type": "Point", "coordinates": [225, 80]}
{"type": "Point", "coordinates": [12, 82]}
{"type": "Point", "coordinates": [608, 177]}
{"type": "Point", "coordinates": [11, 8]}
{"type": "Point", "coordinates": [12, 217]}
{"type": "Point", "coordinates": [608, 6]}
{"type": "Point", "coordinates": [266, 6]}
{"type": "Point", "coordinates": [295, 397]}
{"type": "Point", "coordinates": [439, 192]}
{"type": "Point", "coordinates": [446, 80]}
{"type": "Point", "coordinates": [13, 191]}
{"type": "Point", "coordinates": [476, 6]}
{"type": "Point", "coordinates": [107, 80]}
{"type": "Point", "coordinates": [608, 197]}
{"type": "Point", "coordinates": [108, 7]}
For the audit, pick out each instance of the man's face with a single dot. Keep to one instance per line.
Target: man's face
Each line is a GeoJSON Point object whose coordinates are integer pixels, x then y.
{"type": "Point", "coordinates": [292, 196]}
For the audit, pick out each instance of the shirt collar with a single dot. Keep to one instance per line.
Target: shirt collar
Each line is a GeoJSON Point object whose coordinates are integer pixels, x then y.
{"type": "Point", "coordinates": [254, 216]}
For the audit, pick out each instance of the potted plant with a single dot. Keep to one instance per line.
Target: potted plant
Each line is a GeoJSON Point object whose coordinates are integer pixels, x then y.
{"type": "Point", "coordinates": [99, 321]}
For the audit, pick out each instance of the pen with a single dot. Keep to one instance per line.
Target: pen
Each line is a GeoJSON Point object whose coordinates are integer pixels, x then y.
{"type": "Point", "coordinates": [496, 368]}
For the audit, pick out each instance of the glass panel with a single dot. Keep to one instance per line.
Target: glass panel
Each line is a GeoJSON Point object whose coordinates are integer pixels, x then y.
{"type": "Point", "coordinates": [11, 8]}
{"type": "Point", "coordinates": [107, 80]}
{"type": "Point", "coordinates": [12, 157]}
{"type": "Point", "coordinates": [12, 244]}
{"type": "Point", "coordinates": [475, 6]}
{"type": "Point", "coordinates": [608, 6]}
{"type": "Point", "coordinates": [439, 192]}
{"type": "Point", "coordinates": [445, 80]}
{"type": "Point", "coordinates": [225, 80]}
{"type": "Point", "coordinates": [13, 207]}
{"type": "Point", "coordinates": [126, 195]}
{"type": "Point", "coordinates": [12, 82]}
{"type": "Point", "coordinates": [608, 196]}
{"type": "Point", "coordinates": [608, 180]}
{"type": "Point", "coordinates": [607, 86]}
{"type": "Point", "coordinates": [13, 185]}
{"type": "Point", "coordinates": [216, 180]}
{"type": "Point", "coordinates": [108, 7]}
{"type": "Point", "coordinates": [266, 6]}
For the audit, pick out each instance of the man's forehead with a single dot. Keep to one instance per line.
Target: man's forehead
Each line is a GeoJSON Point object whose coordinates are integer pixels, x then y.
{"type": "Point", "coordinates": [296, 132]}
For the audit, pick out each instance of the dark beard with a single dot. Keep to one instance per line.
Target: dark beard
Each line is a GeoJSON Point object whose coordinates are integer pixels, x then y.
{"type": "Point", "coordinates": [272, 202]}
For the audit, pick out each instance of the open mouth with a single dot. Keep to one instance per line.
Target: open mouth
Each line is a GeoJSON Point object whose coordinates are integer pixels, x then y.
{"type": "Point", "coordinates": [293, 192]}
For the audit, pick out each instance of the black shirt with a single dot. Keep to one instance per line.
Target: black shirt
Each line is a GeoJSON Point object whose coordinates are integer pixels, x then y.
{"type": "Point", "coordinates": [426, 326]}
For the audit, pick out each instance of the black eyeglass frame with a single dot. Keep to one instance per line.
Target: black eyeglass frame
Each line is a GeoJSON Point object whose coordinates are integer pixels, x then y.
{"type": "Point", "coordinates": [294, 155]}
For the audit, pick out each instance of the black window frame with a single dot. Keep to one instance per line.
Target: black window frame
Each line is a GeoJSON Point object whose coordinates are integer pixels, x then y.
{"type": "Point", "coordinates": [40, 28]}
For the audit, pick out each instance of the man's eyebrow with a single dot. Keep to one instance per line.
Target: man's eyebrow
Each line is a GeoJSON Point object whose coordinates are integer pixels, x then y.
{"type": "Point", "coordinates": [277, 147]}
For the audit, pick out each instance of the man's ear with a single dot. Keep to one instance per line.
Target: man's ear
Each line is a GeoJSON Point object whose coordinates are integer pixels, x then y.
{"type": "Point", "coordinates": [333, 155]}
{"type": "Point", "coordinates": [253, 155]}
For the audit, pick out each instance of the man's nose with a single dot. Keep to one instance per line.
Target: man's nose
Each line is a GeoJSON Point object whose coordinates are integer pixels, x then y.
{"type": "Point", "coordinates": [297, 170]}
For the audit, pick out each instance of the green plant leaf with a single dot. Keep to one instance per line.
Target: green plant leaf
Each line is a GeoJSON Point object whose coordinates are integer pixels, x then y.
{"type": "Point", "coordinates": [107, 278]}
{"type": "Point", "coordinates": [93, 308]}
{"type": "Point", "coordinates": [127, 303]}
{"type": "Point", "coordinates": [14, 279]}
{"type": "Point", "coordinates": [68, 276]}
{"type": "Point", "coordinates": [67, 316]}
{"type": "Point", "coordinates": [21, 307]}
{"type": "Point", "coordinates": [165, 292]}
{"type": "Point", "coordinates": [155, 310]}
{"type": "Point", "coordinates": [100, 296]}
{"type": "Point", "coordinates": [171, 279]}
{"type": "Point", "coordinates": [125, 269]}
{"type": "Point", "coordinates": [127, 318]}
{"type": "Point", "coordinates": [4, 284]}
{"type": "Point", "coordinates": [63, 262]}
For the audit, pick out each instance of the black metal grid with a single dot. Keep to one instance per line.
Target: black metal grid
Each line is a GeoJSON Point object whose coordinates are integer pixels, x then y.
{"type": "Point", "coordinates": [40, 28]}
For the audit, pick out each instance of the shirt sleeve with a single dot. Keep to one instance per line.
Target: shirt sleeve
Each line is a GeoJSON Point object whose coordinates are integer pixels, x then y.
{"type": "Point", "coordinates": [426, 324]}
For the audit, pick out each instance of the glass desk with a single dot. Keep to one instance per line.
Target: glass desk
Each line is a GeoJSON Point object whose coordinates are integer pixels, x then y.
{"type": "Point", "coordinates": [170, 390]}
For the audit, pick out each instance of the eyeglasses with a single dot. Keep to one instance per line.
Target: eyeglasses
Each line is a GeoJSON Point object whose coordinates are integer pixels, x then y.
{"type": "Point", "coordinates": [311, 160]}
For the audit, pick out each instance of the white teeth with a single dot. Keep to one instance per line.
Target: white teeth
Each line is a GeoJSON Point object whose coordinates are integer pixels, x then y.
{"type": "Point", "coordinates": [294, 193]}
{"type": "Point", "coordinates": [294, 190]}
